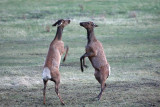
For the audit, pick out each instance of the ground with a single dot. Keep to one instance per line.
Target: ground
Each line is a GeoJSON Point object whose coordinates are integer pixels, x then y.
{"type": "Point", "coordinates": [129, 31]}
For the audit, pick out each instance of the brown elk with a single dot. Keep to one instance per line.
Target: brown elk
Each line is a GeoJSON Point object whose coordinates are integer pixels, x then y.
{"type": "Point", "coordinates": [52, 63]}
{"type": "Point", "coordinates": [96, 55]}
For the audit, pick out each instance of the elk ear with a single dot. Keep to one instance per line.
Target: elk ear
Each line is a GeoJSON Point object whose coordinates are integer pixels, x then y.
{"type": "Point", "coordinates": [95, 25]}
{"type": "Point", "coordinates": [55, 23]}
{"type": "Point", "coordinates": [59, 22]}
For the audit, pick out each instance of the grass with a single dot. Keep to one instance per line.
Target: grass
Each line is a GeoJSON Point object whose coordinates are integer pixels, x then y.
{"type": "Point", "coordinates": [128, 30]}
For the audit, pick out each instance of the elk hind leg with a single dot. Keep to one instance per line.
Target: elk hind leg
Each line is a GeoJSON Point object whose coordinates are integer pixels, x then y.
{"type": "Point", "coordinates": [103, 86]}
{"type": "Point", "coordinates": [101, 78]}
{"type": "Point", "coordinates": [57, 83]}
{"type": "Point", "coordinates": [44, 91]}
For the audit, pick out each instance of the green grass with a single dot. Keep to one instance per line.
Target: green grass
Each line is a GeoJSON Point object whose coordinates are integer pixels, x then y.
{"type": "Point", "coordinates": [129, 31]}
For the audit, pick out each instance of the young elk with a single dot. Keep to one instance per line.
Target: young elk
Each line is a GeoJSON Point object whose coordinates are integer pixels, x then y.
{"type": "Point", "coordinates": [52, 63]}
{"type": "Point", "coordinates": [96, 55]}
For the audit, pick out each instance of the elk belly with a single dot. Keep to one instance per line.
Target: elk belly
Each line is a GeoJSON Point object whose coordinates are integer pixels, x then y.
{"type": "Point", "coordinates": [46, 74]}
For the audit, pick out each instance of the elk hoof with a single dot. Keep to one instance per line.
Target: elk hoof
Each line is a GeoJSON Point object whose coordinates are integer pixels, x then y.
{"type": "Point", "coordinates": [64, 59]}
{"type": "Point", "coordinates": [62, 103]}
{"type": "Point", "coordinates": [85, 66]}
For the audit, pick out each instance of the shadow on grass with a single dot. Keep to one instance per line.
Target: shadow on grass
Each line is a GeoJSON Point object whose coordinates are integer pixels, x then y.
{"type": "Point", "coordinates": [84, 94]}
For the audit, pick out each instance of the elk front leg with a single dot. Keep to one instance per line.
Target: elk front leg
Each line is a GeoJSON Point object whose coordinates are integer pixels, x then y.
{"type": "Point", "coordinates": [66, 53]}
{"type": "Point", "coordinates": [84, 63]}
{"type": "Point", "coordinates": [90, 53]}
{"type": "Point", "coordinates": [81, 59]}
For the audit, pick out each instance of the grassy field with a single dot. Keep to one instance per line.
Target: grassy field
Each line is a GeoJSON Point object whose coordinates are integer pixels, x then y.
{"type": "Point", "coordinates": [128, 29]}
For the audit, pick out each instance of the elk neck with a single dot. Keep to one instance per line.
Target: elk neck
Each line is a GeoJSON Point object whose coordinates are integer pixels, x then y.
{"type": "Point", "coordinates": [90, 35]}
{"type": "Point", "coordinates": [59, 33]}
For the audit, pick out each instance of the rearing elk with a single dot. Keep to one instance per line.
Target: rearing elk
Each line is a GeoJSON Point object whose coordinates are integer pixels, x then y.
{"type": "Point", "coordinates": [52, 63]}
{"type": "Point", "coordinates": [96, 55]}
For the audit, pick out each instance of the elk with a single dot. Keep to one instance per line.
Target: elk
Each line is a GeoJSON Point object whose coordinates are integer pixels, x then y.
{"type": "Point", "coordinates": [95, 53]}
{"type": "Point", "coordinates": [52, 63]}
